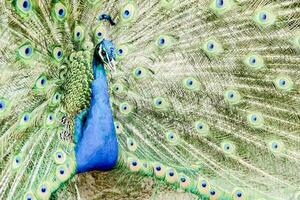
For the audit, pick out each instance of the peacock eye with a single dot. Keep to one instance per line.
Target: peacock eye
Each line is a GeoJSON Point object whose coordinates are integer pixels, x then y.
{"type": "Point", "coordinates": [203, 184]}
{"type": "Point", "coordinates": [43, 189]}
{"type": "Point", "coordinates": [60, 11]}
{"type": "Point", "coordinates": [127, 13]}
{"type": "Point", "coordinates": [125, 108]}
{"type": "Point", "coordinates": [103, 53]}
{"type": "Point", "coordinates": [41, 82]}
{"type": "Point", "coordinates": [59, 156]}
{"type": "Point", "coordinates": [162, 41]}
{"type": "Point", "coordinates": [228, 147]}
{"type": "Point", "coordinates": [284, 83]}
{"type": "Point", "coordinates": [274, 145]}
{"type": "Point", "coordinates": [120, 51]}
{"type": "Point", "coordinates": [25, 51]}
{"type": "Point", "coordinates": [24, 6]}
{"type": "Point", "coordinates": [134, 164]}
{"type": "Point", "coordinates": [26, 118]}
{"type": "Point", "coordinates": [2, 105]}
{"type": "Point", "coordinates": [263, 16]}
{"type": "Point", "coordinates": [201, 128]}
{"type": "Point", "coordinates": [160, 103]}
{"type": "Point", "coordinates": [58, 54]}
{"type": "Point", "coordinates": [252, 60]}
{"type": "Point", "coordinates": [256, 120]}
{"type": "Point", "coordinates": [78, 33]}
{"type": "Point", "coordinates": [239, 194]}
{"type": "Point", "coordinates": [220, 3]}
{"type": "Point", "coordinates": [210, 45]}
{"type": "Point", "coordinates": [212, 192]}
{"type": "Point", "coordinates": [63, 172]}
{"type": "Point", "coordinates": [191, 84]}
{"type": "Point", "coordinates": [131, 144]}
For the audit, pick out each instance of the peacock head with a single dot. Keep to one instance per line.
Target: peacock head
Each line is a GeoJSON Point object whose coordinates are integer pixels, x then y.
{"type": "Point", "coordinates": [105, 53]}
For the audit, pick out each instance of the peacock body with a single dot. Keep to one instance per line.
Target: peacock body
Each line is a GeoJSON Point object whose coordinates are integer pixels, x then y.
{"type": "Point", "coordinates": [201, 94]}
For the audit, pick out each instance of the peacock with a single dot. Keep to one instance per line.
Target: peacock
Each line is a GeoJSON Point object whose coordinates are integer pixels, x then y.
{"type": "Point", "coordinates": [202, 95]}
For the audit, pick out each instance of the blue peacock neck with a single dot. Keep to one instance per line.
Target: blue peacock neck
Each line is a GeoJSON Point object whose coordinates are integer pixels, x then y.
{"type": "Point", "coordinates": [96, 145]}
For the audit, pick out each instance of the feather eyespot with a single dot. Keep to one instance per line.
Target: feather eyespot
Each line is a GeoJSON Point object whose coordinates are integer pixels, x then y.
{"type": "Point", "coordinates": [78, 33]}
{"type": "Point", "coordinates": [25, 118]}
{"type": "Point", "coordinates": [41, 82]}
{"type": "Point", "coordinates": [125, 108]}
{"type": "Point", "coordinates": [25, 51]}
{"type": "Point", "coordinates": [202, 128]}
{"type": "Point", "coordinates": [203, 185]}
{"type": "Point", "coordinates": [118, 127]}
{"type": "Point", "coordinates": [232, 97]}
{"type": "Point", "coordinates": [220, 7]}
{"type": "Point", "coordinates": [139, 73]}
{"type": "Point", "coordinates": [276, 146]}
{"type": "Point", "coordinates": [59, 156]}
{"type": "Point", "coordinates": [160, 103]}
{"type": "Point", "coordinates": [43, 191]}
{"type": "Point", "coordinates": [265, 18]}
{"type": "Point", "coordinates": [212, 47]}
{"type": "Point", "coordinates": [29, 196]}
{"type": "Point", "coordinates": [23, 6]}
{"type": "Point", "coordinates": [184, 181]}
{"type": "Point", "coordinates": [255, 119]}
{"type": "Point", "coordinates": [191, 84]}
{"type": "Point", "coordinates": [99, 32]}
{"type": "Point", "coordinates": [159, 170]}
{"type": "Point", "coordinates": [58, 54]}
{"type": "Point", "coordinates": [214, 194]}
{"type": "Point", "coordinates": [172, 137]}
{"type": "Point", "coordinates": [2, 105]}
{"type": "Point", "coordinates": [128, 12]}
{"type": "Point", "coordinates": [17, 161]}
{"type": "Point", "coordinates": [131, 144]}
{"type": "Point", "coordinates": [171, 175]}
{"type": "Point", "coordinates": [60, 11]}
{"type": "Point", "coordinates": [228, 147]}
{"type": "Point", "coordinates": [238, 194]}
{"type": "Point", "coordinates": [164, 41]}
{"type": "Point", "coordinates": [254, 61]}
{"type": "Point", "coordinates": [134, 164]}
{"type": "Point", "coordinates": [118, 88]}
{"type": "Point", "coordinates": [62, 173]}
{"type": "Point", "coordinates": [284, 83]}
{"type": "Point", "coordinates": [220, 3]}
{"type": "Point", "coordinates": [120, 51]}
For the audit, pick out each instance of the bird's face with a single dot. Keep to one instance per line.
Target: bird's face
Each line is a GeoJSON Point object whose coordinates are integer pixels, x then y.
{"type": "Point", "coordinates": [106, 53]}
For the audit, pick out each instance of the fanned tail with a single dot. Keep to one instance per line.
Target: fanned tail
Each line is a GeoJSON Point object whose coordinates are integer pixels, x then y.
{"type": "Point", "coordinates": [206, 95]}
